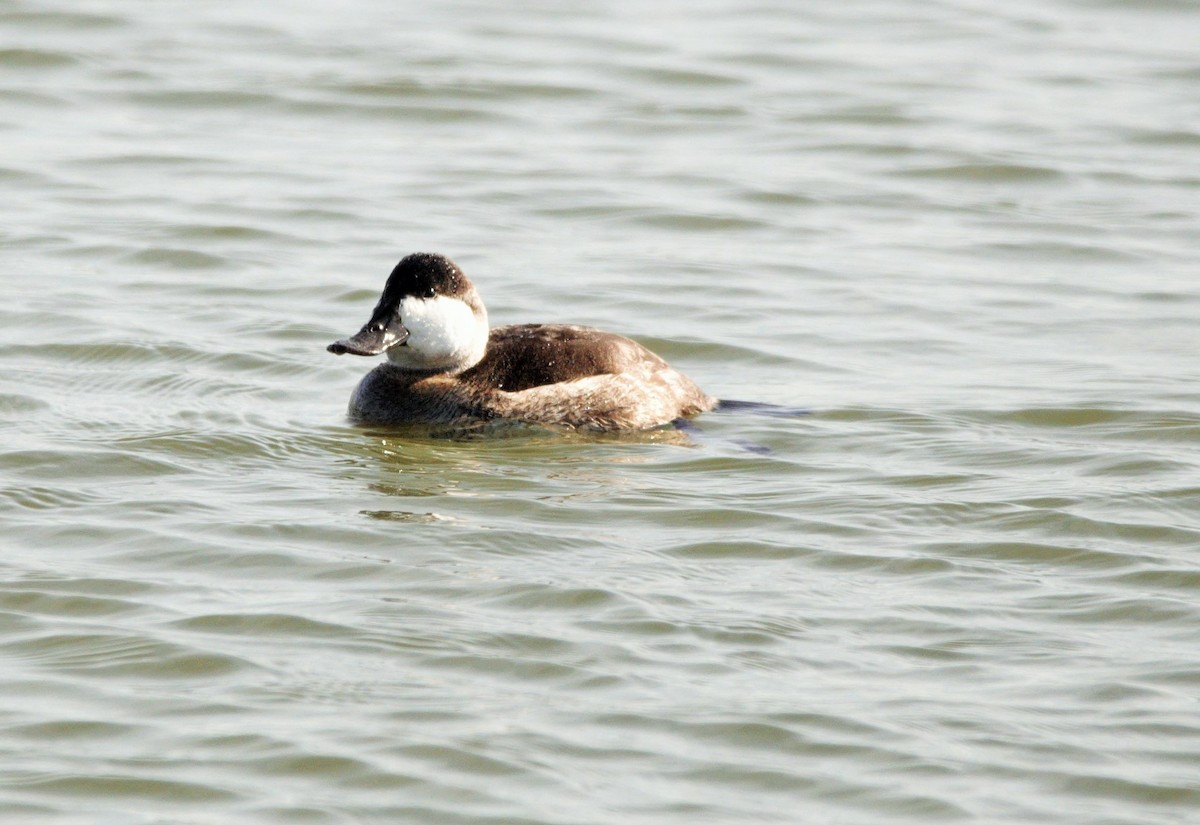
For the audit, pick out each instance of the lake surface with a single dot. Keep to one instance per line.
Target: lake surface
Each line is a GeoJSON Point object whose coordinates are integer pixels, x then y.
{"type": "Point", "coordinates": [964, 588]}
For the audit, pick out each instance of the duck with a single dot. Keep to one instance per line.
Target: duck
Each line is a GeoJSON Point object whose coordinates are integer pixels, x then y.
{"type": "Point", "coordinates": [445, 365]}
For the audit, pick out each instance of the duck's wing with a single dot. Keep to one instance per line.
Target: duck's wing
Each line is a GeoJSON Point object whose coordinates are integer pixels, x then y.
{"type": "Point", "coordinates": [523, 356]}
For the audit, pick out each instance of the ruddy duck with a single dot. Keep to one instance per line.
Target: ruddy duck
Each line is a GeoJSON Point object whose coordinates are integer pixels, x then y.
{"type": "Point", "coordinates": [446, 366]}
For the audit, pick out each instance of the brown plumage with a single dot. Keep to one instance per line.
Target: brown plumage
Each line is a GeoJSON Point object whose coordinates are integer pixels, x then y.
{"type": "Point", "coordinates": [543, 374]}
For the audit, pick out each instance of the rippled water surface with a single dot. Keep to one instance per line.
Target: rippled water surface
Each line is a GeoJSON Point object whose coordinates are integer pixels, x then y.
{"type": "Point", "coordinates": [965, 587]}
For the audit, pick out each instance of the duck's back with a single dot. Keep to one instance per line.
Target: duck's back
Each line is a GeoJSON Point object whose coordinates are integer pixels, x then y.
{"type": "Point", "coordinates": [583, 377]}
{"type": "Point", "coordinates": [523, 356]}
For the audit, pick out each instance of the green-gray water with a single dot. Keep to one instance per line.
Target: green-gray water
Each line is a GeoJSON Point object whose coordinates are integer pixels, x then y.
{"type": "Point", "coordinates": [964, 589]}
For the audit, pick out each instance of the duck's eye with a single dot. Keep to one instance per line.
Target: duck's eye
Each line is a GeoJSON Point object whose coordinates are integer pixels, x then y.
{"type": "Point", "coordinates": [428, 293]}
{"type": "Point", "coordinates": [377, 326]}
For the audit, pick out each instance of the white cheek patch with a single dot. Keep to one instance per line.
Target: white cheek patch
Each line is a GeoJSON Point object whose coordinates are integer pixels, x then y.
{"type": "Point", "coordinates": [442, 333]}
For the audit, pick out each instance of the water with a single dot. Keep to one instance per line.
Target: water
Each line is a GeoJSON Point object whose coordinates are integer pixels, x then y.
{"type": "Point", "coordinates": [963, 589]}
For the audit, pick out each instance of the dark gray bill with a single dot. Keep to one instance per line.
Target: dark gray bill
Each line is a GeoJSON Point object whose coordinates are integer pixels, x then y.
{"type": "Point", "coordinates": [373, 339]}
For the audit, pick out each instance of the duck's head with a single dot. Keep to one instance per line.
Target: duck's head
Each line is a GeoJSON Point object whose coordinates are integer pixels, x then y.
{"type": "Point", "coordinates": [429, 318]}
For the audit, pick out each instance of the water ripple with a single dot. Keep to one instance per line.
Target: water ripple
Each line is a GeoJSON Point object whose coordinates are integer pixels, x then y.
{"type": "Point", "coordinates": [121, 657]}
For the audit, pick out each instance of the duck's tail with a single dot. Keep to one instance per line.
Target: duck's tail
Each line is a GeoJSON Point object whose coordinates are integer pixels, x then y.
{"type": "Point", "coordinates": [695, 427]}
{"type": "Point", "coordinates": [759, 408]}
